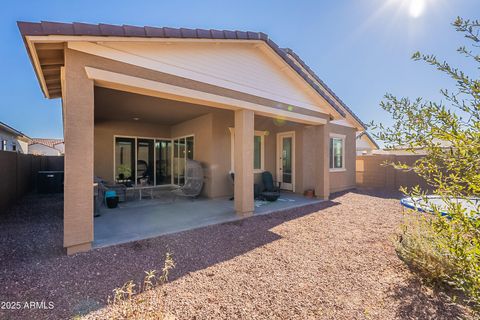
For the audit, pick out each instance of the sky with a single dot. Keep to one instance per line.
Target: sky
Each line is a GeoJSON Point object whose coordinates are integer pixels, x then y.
{"type": "Point", "coordinates": [360, 48]}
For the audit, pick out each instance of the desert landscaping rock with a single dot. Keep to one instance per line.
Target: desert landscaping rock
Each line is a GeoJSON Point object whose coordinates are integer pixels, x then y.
{"type": "Point", "coordinates": [334, 260]}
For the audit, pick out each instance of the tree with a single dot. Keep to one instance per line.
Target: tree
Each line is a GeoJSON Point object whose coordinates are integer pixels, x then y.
{"type": "Point", "coordinates": [449, 132]}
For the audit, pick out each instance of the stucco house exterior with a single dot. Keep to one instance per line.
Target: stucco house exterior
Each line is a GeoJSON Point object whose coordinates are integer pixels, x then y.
{"type": "Point", "coordinates": [233, 100]}
{"type": "Point", "coordinates": [46, 147]}
{"type": "Point", "coordinates": [12, 140]}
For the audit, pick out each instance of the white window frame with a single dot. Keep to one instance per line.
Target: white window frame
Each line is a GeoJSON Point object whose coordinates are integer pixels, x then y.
{"type": "Point", "coordinates": [341, 137]}
{"type": "Point", "coordinates": [262, 135]}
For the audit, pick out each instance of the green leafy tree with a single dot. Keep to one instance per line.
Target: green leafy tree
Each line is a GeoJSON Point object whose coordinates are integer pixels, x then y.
{"type": "Point", "coordinates": [443, 248]}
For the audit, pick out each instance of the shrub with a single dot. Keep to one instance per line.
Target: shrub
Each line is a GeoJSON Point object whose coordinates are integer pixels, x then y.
{"type": "Point", "coordinates": [443, 249]}
{"type": "Point", "coordinates": [128, 302]}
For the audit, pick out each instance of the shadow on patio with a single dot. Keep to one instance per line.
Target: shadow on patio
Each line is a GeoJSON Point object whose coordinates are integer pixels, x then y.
{"type": "Point", "coordinates": [37, 264]}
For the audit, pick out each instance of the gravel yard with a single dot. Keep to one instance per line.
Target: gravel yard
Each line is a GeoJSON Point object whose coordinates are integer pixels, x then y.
{"type": "Point", "coordinates": [333, 260]}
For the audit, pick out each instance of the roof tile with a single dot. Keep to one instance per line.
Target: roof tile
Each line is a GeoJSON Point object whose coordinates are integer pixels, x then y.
{"type": "Point", "coordinates": [241, 35]}
{"type": "Point", "coordinates": [217, 34]}
{"type": "Point", "coordinates": [172, 33]}
{"type": "Point", "coordinates": [229, 34]}
{"type": "Point", "coordinates": [86, 29]}
{"type": "Point", "coordinates": [154, 32]}
{"type": "Point", "coordinates": [110, 30]}
{"type": "Point", "coordinates": [188, 33]}
{"type": "Point", "coordinates": [57, 28]}
{"type": "Point", "coordinates": [133, 31]}
{"type": "Point", "coordinates": [30, 28]}
{"type": "Point", "coordinates": [45, 141]}
{"type": "Point", "coordinates": [204, 34]}
{"type": "Point", "coordinates": [253, 35]}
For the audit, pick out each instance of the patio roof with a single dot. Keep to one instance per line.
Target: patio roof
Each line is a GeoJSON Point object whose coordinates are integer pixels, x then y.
{"type": "Point", "coordinates": [51, 54]}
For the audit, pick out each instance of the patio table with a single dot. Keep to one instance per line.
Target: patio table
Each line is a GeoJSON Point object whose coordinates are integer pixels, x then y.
{"type": "Point", "coordinates": [150, 191]}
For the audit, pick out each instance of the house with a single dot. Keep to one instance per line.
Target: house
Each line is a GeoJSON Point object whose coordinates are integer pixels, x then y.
{"type": "Point", "coordinates": [138, 99]}
{"type": "Point", "coordinates": [365, 143]}
{"type": "Point", "coordinates": [12, 140]}
{"type": "Point", "coordinates": [46, 147]}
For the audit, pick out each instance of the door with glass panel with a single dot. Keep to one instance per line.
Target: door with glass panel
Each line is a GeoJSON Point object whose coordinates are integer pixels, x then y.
{"type": "Point", "coordinates": [286, 160]}
{"type": "Point", "coordinates": [183, 149]}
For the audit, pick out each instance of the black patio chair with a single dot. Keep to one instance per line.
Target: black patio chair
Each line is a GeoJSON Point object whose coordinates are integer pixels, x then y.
{"type": "Point", "coordinates": [271, 192]}
{"type": "Point", "coordinates": [257, 189]}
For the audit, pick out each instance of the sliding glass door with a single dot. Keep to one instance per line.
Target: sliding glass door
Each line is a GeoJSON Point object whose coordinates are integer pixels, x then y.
{"type": "Point", "coordinates": [145, 161]}
{"type": "Point", "coordinates": [125, 160]}
{"type": "Point", "coordinates": [183, 149]}
{"type": "Point", "coordinates": [148, 161]}
{"type": "Point", "coordinates": [163, 155]}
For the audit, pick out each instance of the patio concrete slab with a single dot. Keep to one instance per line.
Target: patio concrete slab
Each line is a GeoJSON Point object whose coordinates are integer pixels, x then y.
{"type": "Point", "coordinates": [145, 219]}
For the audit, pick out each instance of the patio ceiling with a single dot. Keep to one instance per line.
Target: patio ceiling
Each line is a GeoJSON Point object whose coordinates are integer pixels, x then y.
{"type": "Point", "coordinates": [125, 106]}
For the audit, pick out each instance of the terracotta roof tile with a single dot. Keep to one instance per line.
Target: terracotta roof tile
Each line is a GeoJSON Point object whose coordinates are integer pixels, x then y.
{"type": "Point", "coordinates": [46, 142]}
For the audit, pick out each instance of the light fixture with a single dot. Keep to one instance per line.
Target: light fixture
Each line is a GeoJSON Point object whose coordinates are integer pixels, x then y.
{"type": "Point", "coordinates": [136, 118]}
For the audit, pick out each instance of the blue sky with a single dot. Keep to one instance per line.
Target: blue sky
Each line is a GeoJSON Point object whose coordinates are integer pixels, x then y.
{"type": "Point", "coordinates": [360, 48]}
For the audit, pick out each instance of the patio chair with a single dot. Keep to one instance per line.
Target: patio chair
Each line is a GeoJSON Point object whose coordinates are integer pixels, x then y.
{"type": "Point", "coordinates": [193, 180]}
{"type": "Point", "coordinates": [270, 192]}
{"type": "Point", "coordinates": [104, 186]}
{"type": "Point", "coordinates": [257, 188]}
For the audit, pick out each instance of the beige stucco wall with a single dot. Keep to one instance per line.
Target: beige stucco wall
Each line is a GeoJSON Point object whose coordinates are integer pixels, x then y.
{"type": "Point", "coordinates": [344, 180]}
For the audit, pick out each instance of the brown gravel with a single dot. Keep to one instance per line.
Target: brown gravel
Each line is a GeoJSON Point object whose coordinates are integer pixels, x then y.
{"type": "Point", "coordinates": [330, 261]}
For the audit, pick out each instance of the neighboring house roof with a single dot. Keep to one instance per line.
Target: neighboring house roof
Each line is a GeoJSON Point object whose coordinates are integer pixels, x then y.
{"type": "Point", "coordinates": [46, 142]}
{"type": "Point", "coordinates": [45, 28]}
{"type": "Point", "coordinates": [12, 130]}
{"type": "Point", "coordinates": [368, 136]}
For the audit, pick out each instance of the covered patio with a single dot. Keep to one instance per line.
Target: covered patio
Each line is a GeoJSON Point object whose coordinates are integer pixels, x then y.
{"type": "Point", "coordinates": [151, 138]}
{"type": "Point", "coordinates": [137, 220]}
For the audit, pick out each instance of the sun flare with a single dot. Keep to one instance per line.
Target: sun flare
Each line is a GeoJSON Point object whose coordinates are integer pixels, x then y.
{"type": "Point", "coordinates": [416, 8]}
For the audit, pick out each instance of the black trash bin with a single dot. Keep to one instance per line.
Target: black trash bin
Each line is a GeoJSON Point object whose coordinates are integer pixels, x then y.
{"type": "Point", "coordinates": [50, 181]}
{"type": "Point", "coordinates": [112, 202]}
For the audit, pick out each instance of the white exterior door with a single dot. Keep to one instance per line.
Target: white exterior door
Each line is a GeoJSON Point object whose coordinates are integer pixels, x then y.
{"type": "Point", "coordinates": [286, 160]}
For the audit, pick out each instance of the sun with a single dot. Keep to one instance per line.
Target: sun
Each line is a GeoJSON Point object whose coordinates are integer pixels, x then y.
{"type": "Point", "coordinates": [416, 8]}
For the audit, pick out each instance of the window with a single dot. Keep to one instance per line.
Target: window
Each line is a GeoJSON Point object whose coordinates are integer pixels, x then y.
{"type": "Point", "coordinates": [4, 145]}
{"type": "Point", "coordinates": [337, 152]}
{"type": "Point", "coordinates": [258, 150]}
{"type": "Point", "coordinates": [14, 146]}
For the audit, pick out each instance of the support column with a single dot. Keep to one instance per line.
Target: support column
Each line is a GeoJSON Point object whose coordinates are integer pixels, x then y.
{"type": "Point", "coordinates": [78, 122]}
{"type": "Point", "coordinates": [243, 155]}
{"type": "Point", "coordinates": [322, 163]}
